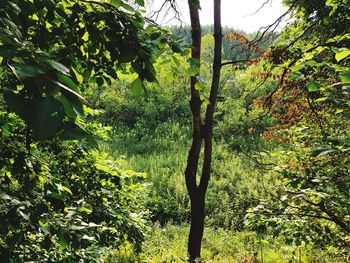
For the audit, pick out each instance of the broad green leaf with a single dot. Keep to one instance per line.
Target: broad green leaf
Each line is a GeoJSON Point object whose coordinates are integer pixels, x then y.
{"type": "Point", "coordinates": [341, 55]}
{"type": "Point", "coordinates": [22, 70]}
{"type": "Point", "coordinates": [193, 70]}
{"type": "Point", "coordinates": [137, 86]}
{"type": "Point", "coordinates": [56, 196]}
{"type": "Point", "coordinates": [44, 117]}
{"type": "Point", "coordinates": [338, 111]}
{"type": "Point", "coordinates": [68, 107]}
{"type": "Point", "coordinates": [44, 226]}
{"type": "Point", "coordinates": [70, 103]}
{"type": "Point", "coordinates": [345, 77]}
{"type": "Point", "coordinates": [313, 86]}
{"type": "Point", "coordinates": [58, 66]}
{"type": "Point", "coordinates": [67, 81]}
{"type": "Point", "coordinates": [6, 39]}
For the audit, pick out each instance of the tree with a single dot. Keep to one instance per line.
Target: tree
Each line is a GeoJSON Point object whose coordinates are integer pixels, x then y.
{"type": "Point", "coordinates": [54, 51]}
{"type": "Point", "coordinates": [61, 199]}
{"type": "Point", "coordinates": [312, 99]}
{"type": "Point", "coordinates": [202, 130]}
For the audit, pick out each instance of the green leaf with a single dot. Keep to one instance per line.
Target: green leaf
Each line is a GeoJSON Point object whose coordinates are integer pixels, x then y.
{"type": "Point", "coordinates": [63, 240]}
{"type": "Point", "coordinates": [345, 77]}
{"type": "Point", "coordinates": [85, 37]}
{"type": "Point", "coordinates": [44, 117]}
{"type": "Point", "coordinates": [297, 67]}
{"type": "Point", "coordinates": [68, 107]}
{"type": "Point", "coordinates": [58, 66]}
{"type": "Point", "coordinates": [313, 86]}
{"type": "Point", "coordinates": [137, 86]}
{"type": "Point", "coordinates": [84, 209]}
{"type": "Point", "coordinates": [22, 70]}
{"type": "Point", "coordinates": [342, 54]}
{"type": "Point", "coordinates": [78, 76]}
{"type": "Point", "coordinates": [67, 81]}
{"type": "Point", "coordinates": [321, 99]}
{"type": "Point", "coordinates": [64, 188]}
{"type": "Point", "coordinates": [175, 47]}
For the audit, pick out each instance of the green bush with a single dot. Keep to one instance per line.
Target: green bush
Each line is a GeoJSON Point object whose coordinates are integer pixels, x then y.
{"type": "Point", "coordinates": [60, 202]}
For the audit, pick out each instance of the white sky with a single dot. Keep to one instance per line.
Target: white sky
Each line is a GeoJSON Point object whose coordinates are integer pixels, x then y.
{"type": "Point", "coordinates": [236, 14]}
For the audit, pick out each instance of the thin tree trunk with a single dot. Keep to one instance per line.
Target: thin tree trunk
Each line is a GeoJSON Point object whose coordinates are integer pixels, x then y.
{"type": "Point", "coordinates": [201, 131]}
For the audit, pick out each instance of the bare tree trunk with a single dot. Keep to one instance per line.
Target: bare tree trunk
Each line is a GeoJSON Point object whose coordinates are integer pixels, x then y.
{"type": "Point", "coordinates": [201, 131]}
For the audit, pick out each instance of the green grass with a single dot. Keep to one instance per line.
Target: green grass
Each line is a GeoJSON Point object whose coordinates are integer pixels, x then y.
{"type": "Point", "coordinates": [168, 244]}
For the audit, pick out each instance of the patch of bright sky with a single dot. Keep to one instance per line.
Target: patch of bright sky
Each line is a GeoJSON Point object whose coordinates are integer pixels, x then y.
{"type": "Point", "coordinates": [236, 14]}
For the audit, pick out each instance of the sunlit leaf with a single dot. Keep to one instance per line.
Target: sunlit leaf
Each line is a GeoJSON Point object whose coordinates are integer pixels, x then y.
{"type": "Point", "coordinates": [137, 87]}
{"type": "Point", "coordinates": [342, 55]}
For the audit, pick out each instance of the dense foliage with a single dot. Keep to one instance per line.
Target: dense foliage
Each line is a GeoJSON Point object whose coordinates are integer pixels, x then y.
{"type": "Point", "coordinates": [62, 203]}
{"type": "Point", "coordinates": [60, 200]}
{"type": "Point", "coordinates": [313, 100]}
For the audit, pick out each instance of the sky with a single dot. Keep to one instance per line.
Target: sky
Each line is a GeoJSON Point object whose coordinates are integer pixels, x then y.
{"type": "Point", "coordinates": [240, 14]}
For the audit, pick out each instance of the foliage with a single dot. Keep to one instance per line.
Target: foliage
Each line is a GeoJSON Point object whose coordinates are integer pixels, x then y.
{"type": "Point", "coordinates": [314, 101]}
{"type": "Point", "coordinates": [53, 51]}
{"type": "Point", "coordinates": [59, 202]}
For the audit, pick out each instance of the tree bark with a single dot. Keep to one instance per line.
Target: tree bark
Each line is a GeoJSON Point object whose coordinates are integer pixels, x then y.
{"type": "Point", "coordinates": [201, 131]}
